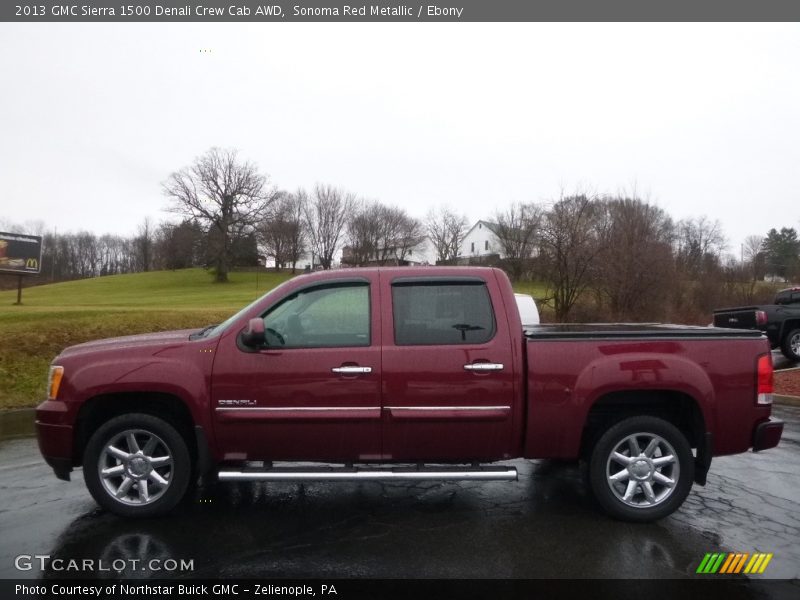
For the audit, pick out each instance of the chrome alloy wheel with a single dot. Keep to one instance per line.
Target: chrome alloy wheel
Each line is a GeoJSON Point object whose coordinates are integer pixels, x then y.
{"type": "Point", "coordinates": [135, 467]}
{"type": "Point", "coordinates": [794, 344]}
{"type": "Point", "coordinates": [642, 470]}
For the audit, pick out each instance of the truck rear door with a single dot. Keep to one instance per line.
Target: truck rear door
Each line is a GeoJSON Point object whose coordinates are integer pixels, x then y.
{"type": "Point", "coordinates": [447, 374]}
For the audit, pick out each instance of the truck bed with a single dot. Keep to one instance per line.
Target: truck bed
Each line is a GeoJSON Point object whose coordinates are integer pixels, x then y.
{"type": "Point", "coordinates": [573, 368]}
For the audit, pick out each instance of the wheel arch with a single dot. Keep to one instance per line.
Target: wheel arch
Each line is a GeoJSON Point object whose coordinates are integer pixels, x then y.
{"type": "Point", "coordinates": [676, 407]}
{"type": "Point", "coordinates": [788, 326]}
{"type": "Point", "coordinates": [99, 409]}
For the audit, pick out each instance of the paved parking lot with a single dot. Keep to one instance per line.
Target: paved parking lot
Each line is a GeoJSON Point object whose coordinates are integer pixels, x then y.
{"type": "Point", "coordinates": [781, 362]}
{"type": "Point", "coordinates": [545, 525]}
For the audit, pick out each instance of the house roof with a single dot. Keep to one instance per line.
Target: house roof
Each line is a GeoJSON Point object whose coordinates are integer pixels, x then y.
{"type": "Point", "coordinates": [489, 225]}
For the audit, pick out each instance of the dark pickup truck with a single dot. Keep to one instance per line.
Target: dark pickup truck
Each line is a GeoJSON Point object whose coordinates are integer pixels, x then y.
{"type": "Point", "coordinates": [404, 374]}
{"type": "Point", "coordinates": [779, 321]}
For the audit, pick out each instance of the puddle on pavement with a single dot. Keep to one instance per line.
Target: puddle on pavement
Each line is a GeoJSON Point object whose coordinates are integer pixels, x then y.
{"type": "Point", "coordinates": [16, 424]}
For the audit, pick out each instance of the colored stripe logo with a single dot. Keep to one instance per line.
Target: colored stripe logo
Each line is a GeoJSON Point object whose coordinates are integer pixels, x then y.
{"type": "Point", "coordinates": [732, 563]}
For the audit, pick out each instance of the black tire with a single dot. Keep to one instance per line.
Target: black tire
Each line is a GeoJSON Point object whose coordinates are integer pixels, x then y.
{"type": "Point", "coordinates": [790, 345]}
{"type": "Point", "coordinates": [159, 498]}
{"type": "Point", "coordinates": [665, 498]}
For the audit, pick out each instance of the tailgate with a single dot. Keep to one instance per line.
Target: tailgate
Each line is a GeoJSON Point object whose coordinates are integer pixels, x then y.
{"type": "Point", "coordinates": [740, 318]}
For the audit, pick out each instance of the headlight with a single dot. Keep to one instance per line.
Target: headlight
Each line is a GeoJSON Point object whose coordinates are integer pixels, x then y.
{"type": "Point", "coordinates": [54, 381]}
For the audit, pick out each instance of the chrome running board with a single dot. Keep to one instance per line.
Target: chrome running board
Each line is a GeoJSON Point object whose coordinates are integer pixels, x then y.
{"type": "Point", "coordinates": [442, 473]}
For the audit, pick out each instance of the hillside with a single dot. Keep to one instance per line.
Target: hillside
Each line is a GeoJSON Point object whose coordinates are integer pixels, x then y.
{"type": "Point", "coordinates": [62, 314]}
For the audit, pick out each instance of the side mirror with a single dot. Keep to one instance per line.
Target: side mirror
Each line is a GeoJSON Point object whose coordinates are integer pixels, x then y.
{"type": "Point", "coordinates": [255, 334]}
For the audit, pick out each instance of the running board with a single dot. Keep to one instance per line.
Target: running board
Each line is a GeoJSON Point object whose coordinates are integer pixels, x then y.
{"type": "Point", "coordinates": [372, 474]}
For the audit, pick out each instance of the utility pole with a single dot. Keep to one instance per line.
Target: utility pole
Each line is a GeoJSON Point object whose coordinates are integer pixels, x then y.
{"type": "Point", "coordinates": [53, 255]}
{"type": "Point", "coordinates": [19, 291]}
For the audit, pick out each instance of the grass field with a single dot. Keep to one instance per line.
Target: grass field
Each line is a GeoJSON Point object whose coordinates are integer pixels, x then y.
{"type": "Point", "coordinates": [59, 315]}
{"type": "Point", "coordinates": [62, 314]}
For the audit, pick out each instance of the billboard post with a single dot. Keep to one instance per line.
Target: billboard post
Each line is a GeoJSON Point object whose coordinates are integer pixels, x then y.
{"type": "Point", "coordinates": [20, 255]}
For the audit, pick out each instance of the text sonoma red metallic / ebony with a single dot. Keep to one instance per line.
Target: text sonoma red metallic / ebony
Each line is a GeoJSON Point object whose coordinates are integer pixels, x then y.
{"type": "Point", "coordinates": [404, 373]}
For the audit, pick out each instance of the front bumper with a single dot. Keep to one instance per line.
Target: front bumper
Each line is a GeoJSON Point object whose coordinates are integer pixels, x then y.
{"type": "Point", "coordinates": [54, 437]}
{"type": "Point", "coordinates": [767, 434]}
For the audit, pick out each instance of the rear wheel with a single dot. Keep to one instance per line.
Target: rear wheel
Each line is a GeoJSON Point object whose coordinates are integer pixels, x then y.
{"type": "Point", "coordinates": [641, 469]}
{"type": "Point", "coordinates": [791, 345]}
{"type": "Point", "coordinates": [137, 465]}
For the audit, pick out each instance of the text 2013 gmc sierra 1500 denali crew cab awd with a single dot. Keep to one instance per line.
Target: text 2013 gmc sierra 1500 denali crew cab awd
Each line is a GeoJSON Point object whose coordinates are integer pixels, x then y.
{"type": "Point", "coordinates": [404, 373]}
{"type": "Point", "coordinates": [780, 321]}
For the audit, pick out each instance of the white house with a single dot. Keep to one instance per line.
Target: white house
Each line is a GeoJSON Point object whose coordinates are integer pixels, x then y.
{"type": "Point", "coordinates": [307, 261]}
{"type": "Point", "coordinates": [423, 253]}
{"type": "Point", "coordinates": [480, 240]}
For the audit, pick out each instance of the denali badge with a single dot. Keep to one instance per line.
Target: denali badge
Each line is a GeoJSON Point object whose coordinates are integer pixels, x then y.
{"type": "Point", "coordinates": [237, 402]}
{"type": "Point", "coordinates": [733, 320]}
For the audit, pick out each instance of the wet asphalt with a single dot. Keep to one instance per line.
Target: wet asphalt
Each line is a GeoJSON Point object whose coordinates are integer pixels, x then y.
{"type": "Point", "coordinates": [544, 525]}
{"type": "Point", "coordinates": [781, 363]}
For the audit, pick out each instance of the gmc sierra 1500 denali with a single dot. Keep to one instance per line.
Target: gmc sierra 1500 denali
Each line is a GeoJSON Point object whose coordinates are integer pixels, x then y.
{"type": "Point", "coordinates": [404, 374]}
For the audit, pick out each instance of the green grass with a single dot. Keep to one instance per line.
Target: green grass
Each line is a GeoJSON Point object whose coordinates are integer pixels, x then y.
{"type": "Point", "coordinates": [55, 316]}
{"type": "Point", "coordinates": [183, 289]}
{"type": "Point", "coordinates": [534, 288]}
{"type": "Point", "coordinates": [62, 314]}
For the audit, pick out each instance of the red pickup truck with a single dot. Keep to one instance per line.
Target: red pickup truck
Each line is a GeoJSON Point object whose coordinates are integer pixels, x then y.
{"type": "Point", "coordinates": [404, 374]}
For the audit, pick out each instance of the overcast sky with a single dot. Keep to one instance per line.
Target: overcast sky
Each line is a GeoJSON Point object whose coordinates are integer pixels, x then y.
{"type": "Point", "coordinates": [702, 118]}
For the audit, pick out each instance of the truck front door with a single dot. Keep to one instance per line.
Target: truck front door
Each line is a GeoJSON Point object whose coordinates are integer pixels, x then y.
{"type": "Point", "coordinates": [313, 391]}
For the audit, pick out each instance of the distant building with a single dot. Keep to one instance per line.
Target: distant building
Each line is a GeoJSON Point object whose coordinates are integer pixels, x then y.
{"type": "Point", "coordinates": [481, 240]}
{"type": "Point", "coordinates": [307, 262]}
{"type": "Point", "coordinates": [422, 254]}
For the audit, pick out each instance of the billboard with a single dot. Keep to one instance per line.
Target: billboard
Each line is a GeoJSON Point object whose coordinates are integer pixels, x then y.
{"type": "Point", "coordinates": [20, 253]}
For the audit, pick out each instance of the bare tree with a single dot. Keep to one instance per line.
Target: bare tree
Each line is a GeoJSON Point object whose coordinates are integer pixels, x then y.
{"type": "Point", "coordinates": [296, 233]}
{"type": "Point", "coordinates": [569, 245]}
{"type": "Point", "coordinates": [635, 273]}
{"type": "Point", "coordinates": [226, 194]}
{"type": "Point", "coordinates": [283, 232]}
{"type": "Point", "coordinates": [381, 234]}
{"type": "Point", "coordinates": [410, 234]}
{"type": "Point", "coordinates": [699, 245]}
{"type": "Point", "coordinates": [753, 255]}
{"type": "Point", "coordinates": [446, 230]}
{"type": "Point", "coordinates": [326, 212]}
{"type": "Point", "coordinates": [516, 229]}
{"type": "Point", "coordinates": [363, 233]}
{"type": "Point", "coordinates": [390, 225]}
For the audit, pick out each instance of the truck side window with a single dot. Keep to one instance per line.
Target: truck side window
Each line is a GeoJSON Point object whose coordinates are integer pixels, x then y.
{"type": "Point", "coordinates": [321, 317]}
{"type": "Point", "coordinates": [442, 313]}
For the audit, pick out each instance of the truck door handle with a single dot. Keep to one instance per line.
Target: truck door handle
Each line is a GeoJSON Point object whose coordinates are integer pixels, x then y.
{"type": "Point", "coordinates": [351, 370]}
{"type": "Point", "coordinates": [484, 367]}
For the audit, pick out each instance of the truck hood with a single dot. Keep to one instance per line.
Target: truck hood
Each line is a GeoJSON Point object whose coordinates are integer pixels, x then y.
{"type": "Point", "coordinates": [155, 341]}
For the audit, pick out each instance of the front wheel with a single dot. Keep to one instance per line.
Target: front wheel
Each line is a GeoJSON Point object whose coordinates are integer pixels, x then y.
{"type": "Point", "coordinates": [137, 465]}
{"type": "Point", "coordinates": [791, 345]}
{"type": "Point", "coordinates": [641, 469]}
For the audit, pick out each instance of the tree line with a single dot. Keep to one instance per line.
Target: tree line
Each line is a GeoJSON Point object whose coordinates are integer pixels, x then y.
{"type": "Point", "coordinates": [619, 257]}
{"type": "Point", "coordinates": [609, 256]}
